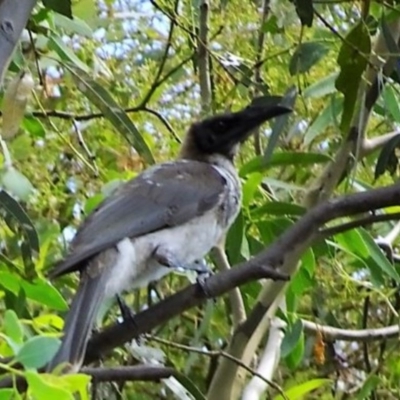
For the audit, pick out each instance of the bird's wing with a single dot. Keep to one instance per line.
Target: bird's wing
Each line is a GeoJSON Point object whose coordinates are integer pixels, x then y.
{"type": "Point", "coordinates": [165, 195]}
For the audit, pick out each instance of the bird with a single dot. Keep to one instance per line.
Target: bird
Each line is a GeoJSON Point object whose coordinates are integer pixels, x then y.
{"type": "Point", "coordinates": [168, 217]}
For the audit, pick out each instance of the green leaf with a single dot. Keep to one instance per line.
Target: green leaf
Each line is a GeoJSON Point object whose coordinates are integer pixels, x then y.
{"type": "Point", "coordinates": [14, 210]}
{"type": "Point", "coordinates": [283, 185]}
{"type": "Point", "coordinates": [305, 11]}
{"type": "Point", "coordinates": [34, 127]}
{"type": "Point", "coordinates": [73, 26]}
{"type": "Point", "coordinates": [325, 118]}
{"type": "Point", "coordinates": [250, 187]}
{"type": "Point", "coordinates": [77, 383]}
{"type": "Point", "coordinates": [9, 394]}
{"type": "Point", "coordinates": [277, 208]}
{"type": "Point", "coordinates": [43, 387]}
{"type": "Point", "coordinates": [322, 87]}
{"type": "Point", "coordinates": [10, 281]}
{"type": "Point", "coordinates": [283, 159]}
{"type": "Point", "coordinates": [294, 357]}
{"type": "Point", "coordinates": [43, 292]}
{"type": "Point", "coordinates": [378, 257]}
{"type": "Point", "coordinates": [102, 99]}
{"type": "Point", "coordinates": [234, 240]}
{"type": "Point", "coordinates": [353, 241]}
{"type": "Point", "coordinates": [292, 337]}
{"type": "Point", "coordinates": [391, 43]}
{"type": "Point", "coordinates": [352, 59]}
{"type": "Point", "coordinates": [277, 129]}
{"type": "Point", "coordinates": [13, 327]}
{"type": "Point", "coordinates": [299, 391]}
{"type": "Point", "coordinates": [370, 384]}
{"type": "Point", "coordinates": [306, 56]}
{"type": "Point", "coordinates": [66, 54]}
{"type": "Point", "coordinates": [387, 160]}
{"type": "Point", "coordinates": [16, 183]}
{"type": "Point", "coordinates": [60, 6]}
{"type": "Point", "coordinates": [38, 351]}
{"type": "Point", "coordinates": [189, 386]}
{"type": "Point", "coordinates": [300, 282]}
{"type": "Point", "coordinates": [391, 102]}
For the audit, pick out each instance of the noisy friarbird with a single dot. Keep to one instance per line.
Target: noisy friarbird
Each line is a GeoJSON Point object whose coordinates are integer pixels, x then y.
{"type": "Point", "coordinates": [168, 217]}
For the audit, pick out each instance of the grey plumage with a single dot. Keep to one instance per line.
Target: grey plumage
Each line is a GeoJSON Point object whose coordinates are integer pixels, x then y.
{"type": "Point", "coordinates": [168, 216]}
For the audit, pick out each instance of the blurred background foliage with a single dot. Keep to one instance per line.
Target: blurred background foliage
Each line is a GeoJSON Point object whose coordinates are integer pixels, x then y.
{"type": "Point", "coordinates": [115, 89]}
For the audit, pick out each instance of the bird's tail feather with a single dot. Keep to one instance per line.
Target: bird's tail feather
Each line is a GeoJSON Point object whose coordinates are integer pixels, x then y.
{"type": "Point", "coordinates": [79, 322]}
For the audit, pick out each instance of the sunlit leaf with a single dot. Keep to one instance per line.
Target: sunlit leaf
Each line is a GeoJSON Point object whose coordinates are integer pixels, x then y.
{"type": "Point", "coordinates": [42, 388]}
{"type": "Point", "coordinates": [298, 392]}
{"type": "Point", "coordinates": [12, 326]}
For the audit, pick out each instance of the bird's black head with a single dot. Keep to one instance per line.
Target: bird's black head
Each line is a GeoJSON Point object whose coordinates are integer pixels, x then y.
{"type": "Point", "coordinates": [223, 133]}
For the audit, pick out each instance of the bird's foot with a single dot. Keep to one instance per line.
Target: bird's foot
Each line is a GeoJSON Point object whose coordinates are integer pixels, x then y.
{"type": "Point", "coordinates": [202, 284]}
{"type": "Point", "coordinates": [166, 258]}
{"type": "Point", "coordinates": [128, 316]}
{"type": "Point", "coordinates": [152, 288]}
{"type": "Point", "coordinates": [127, 313]}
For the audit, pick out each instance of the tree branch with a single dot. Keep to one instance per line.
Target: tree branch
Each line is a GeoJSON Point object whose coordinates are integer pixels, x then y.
{"type": "Point", "coordinates": [358, 335]}
{"type": "Point", "coordinates": [129, 373]}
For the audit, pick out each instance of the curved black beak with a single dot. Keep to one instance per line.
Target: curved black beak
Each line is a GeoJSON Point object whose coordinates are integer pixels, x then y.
{"type": "Point", "coordinates": [246, 120]}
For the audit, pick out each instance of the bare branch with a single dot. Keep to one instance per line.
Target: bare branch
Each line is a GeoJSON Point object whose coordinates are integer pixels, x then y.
{"type": "Point", "coordinates": [358, 335]}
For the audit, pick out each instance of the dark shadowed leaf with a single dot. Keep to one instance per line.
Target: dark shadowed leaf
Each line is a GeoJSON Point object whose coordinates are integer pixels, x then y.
{"type": "Point", "coordinates": [61, 6]}
{"type": "Point", "coordinates": [13, 209]}
{"type": "Point", "coordinates": [387, 160]}
{"type": "Point", "coordinates": [288, 100]}
{"type": "Point", "coordinates": [305, 11]}
{"type": "Point", "coordinates": [306, 56]}
{"type": "Point", "coordinates": [292, 336]}
{"type": "Point", "coordinates": [189, 386]}
{"type": "Point", "coordinates": [391, 45]}
{"type": "Point", "coordinates": [235, 239]}
{"type": "Point", "coordinates": [352, 59]}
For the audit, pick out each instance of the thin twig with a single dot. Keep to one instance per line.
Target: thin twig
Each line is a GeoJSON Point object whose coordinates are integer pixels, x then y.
{"type": "Point", "coordinates": [369, 220]}
{"type": "Point", "coordinates": [218, 353]}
